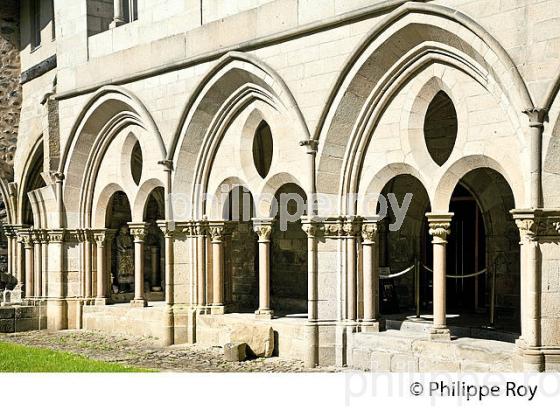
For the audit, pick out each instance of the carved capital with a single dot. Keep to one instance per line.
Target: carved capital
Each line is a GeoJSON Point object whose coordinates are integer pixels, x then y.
{"type": "Point", "coordinates": [139, 233]}
{"type": "Point", "coordinates": [536, 116]}
{"type": "Point", "coordinates": [168, 228]}
{"type": "Point", "coordinates": [369, 232]}
{"type": "Point", "coordinates": [439, 225]}
{"type": "Point", "coordinates": [100, 237]}
{"type": "Point", "coordinates": [217, 230]}
{"type": "Point", "coordinates": [440, 230]}
{"type": "Point", "coordinates": [334, 227]}
{"type": "Point", "coordinates": [311, 145]}
{"type": "Point", "coordinates": [527, 229]}
{"type": "Point", "coordinates": [37, 236]}
{"type": "Point", "coordinates": [26, 238]}
{"type": "Point", "coordinates": [58, 177]}
{"type": "Point", "coordinates": [9, 231]}
{"type": "Point", "coordinates": [56, 236]}
{"type": "Point", "coordinates": [167, 165]}
{"type": "Point", "coordinates": [263, 231]}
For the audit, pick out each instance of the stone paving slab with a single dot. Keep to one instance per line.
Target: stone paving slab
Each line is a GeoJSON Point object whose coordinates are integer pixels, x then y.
{"type": "Point", "coordinates": [144, 353]}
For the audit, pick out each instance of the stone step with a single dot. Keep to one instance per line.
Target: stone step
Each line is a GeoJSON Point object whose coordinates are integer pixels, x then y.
{"type": "Point", "coordinates": [422, 326]}
{"type": "Point", "coordinates": [394, 350]}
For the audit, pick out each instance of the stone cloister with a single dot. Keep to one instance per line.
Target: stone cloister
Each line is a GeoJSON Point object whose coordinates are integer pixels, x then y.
{"type": "Point", "coordinates": [146, 197]}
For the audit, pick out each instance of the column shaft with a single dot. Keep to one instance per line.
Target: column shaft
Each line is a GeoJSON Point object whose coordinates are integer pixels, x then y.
{"type": "Point", "coordinates": [218, 274]}
{"type": "Point", "coordinates": [138, 270]}
{"type": "Point", "coordinates": [88, 268]}
{"type": "Point", "coordinates": [169, 256]}
{"type": "Point", "coordinates": [264, 276]}
{"type": "Point", "coordinates": [439, 229]}
{"type": "Point", "coordinates": [29, 290]}
{"type": "Point", "coordinates": [45, 267]}
{"type": "Point", "coordinates": [20, 263]}
{"type": "Point", "coordinates": [263, 228]}
{"type": "Point", "coordinates": [154, 265]}
{"type": "Point", "coordinates": [201, 271]}
{"type": "Point", "coordinates": [101, 297]}
{"type": "Point", "coordinates": [439, 283]}
{"type": "Point", "coordinates": [37, 269]}
{"type": "Point", "coordinates": [351, 278]}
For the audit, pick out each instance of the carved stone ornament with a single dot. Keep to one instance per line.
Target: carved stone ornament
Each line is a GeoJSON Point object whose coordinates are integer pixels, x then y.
{"type": "Point", "coordinates": [369, 231]}
{"type": "Point", "coordinates": [440, 229]}
{"type": "Point", "coordinates": [527, 229]}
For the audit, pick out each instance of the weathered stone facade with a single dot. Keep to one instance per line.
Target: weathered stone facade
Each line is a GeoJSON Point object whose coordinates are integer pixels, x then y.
{"type": "Point", "coordinates": [158, 114]}
{"type": "Point", "coordinates": [10, 89]}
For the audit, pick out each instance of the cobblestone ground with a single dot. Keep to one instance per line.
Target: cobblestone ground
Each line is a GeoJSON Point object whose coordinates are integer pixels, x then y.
{"type": "Point", "coordinates": [142, 352]}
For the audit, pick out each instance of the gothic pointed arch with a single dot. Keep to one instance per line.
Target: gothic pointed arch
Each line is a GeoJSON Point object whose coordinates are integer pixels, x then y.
{"type": "Point", "coordinates": [401, 45]}
{"type": "Point", "coordinates": [109, 110]}
{"type": "Point", "coordinates": [236, 81]}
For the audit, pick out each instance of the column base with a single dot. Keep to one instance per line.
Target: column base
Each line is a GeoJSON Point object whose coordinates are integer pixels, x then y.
{"type": "Point", "coordinates": [264, 314]}
{"type": "Point", "coordinates": [439, 335]}
{"type": "Point", "coordinates": [204, 310]}
{"type": "Point", "coordinates": [371, 326]}
{"type": "Point", "coordinates": [217, 309]}
{"type": "Point", "coordinates": [102, 301]}
{"type": "Point", "coordinates": [138, 303]}
{"type": "Point", "coordinates": [116, 23]}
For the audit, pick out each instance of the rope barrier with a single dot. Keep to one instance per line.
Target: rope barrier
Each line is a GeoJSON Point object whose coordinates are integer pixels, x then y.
{"type": "Point", "coordinates": [470, 275]}
{"type": "Point", "coordinates": [394, 275]}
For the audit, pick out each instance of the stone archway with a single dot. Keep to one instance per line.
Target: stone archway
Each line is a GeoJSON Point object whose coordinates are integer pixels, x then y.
{"type": "Point", "coordinates": [288, 267]}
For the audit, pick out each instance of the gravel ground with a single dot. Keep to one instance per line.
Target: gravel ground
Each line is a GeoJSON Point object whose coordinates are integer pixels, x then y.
{"type": "Point", "coordinates": [142, 352]}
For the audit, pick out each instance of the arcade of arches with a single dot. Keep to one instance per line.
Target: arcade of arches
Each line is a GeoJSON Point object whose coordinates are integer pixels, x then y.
{"type": "Point", "coordinates": [237, 210]}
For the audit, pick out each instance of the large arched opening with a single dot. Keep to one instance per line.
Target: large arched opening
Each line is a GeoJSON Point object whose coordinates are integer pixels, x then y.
{"type": "Point", "coordinates": [241, 267]}
{"type": "Point", "coordinates": [288, 275]}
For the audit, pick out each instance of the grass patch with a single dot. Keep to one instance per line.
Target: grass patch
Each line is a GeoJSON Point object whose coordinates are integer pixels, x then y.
{"type": "Point", "coordinates": [18, 358]}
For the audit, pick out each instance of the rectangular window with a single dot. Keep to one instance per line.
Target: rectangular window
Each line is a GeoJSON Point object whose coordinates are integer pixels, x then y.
{"type": "Point", "coordinates": [35, 22]}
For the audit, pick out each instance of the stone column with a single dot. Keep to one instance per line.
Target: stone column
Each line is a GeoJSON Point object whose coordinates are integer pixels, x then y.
{"type": "Point", "coordinates": [118, 14]}
{"type": "Point", "coordinates": [56, 305]}
{"type": "Point", "coordinates": [45, 263]}
{"type": "Point", "coordinates": [154, 260]}
{"type": "Point", "coordinates": [168, 229]}
{"type": "Point", "coordinates": [27, 239]}
{"type": "Point", "coordinates": [20, 262]}
{"type": "Point", "coordinates": [312, 229]}
{"type": "Point", "coordinates": [200, 232]}
{"type": "Point", "coordinates": [109, 236]}
{"type": "Point", "coordinates": [101, 297]}
{"type": "Point", "coordinates": [263, 228]}
{"type": "Point", "coordinates": [536, 126]}
{"type": "Point", "coordinates": [217, 231]}
{"type": "Point", "coordinates": [9, 235]}
{"type": "Point", "coordinates": [370, 259]}
{"type": "Point", "coordinates": [139, 231]}
{"type": "Point", "coordinates": [38, 260]}
{"type": "Point", "coordinates": [439, 229]}
{"type": "Point", "coordinates": [350, 229]}
{"type": "Point", "coordinates": [530, 279]}
{"type": "Point", "coordinates": [88, 280]}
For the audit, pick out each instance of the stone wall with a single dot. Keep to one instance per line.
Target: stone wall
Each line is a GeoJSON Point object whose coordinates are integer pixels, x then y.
{"type": "Point", "coordinates": [10, 101]}
{"type": "Point", "coordinates": [10, 89]}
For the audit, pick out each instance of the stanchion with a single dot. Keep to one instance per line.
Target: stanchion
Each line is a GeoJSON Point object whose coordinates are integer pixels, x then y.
{"type": "Point", "coordinates": [492, 300]}
{"type": "Point", "coordinates": [417, 288]}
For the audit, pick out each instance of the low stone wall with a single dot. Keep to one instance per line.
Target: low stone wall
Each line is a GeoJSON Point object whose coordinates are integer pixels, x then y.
{"type": "Point", "coordinates": [396, 351]}
{"type": "Point", "coordinates": [22, 318]}
{"type": "Point", "coordinates": [215, 330]}
{"type": "Point", "coordinates": [124, 320]}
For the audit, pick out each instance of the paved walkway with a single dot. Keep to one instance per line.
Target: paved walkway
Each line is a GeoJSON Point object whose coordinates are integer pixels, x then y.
{"type": "Point", "coordinates": [141, 352]}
